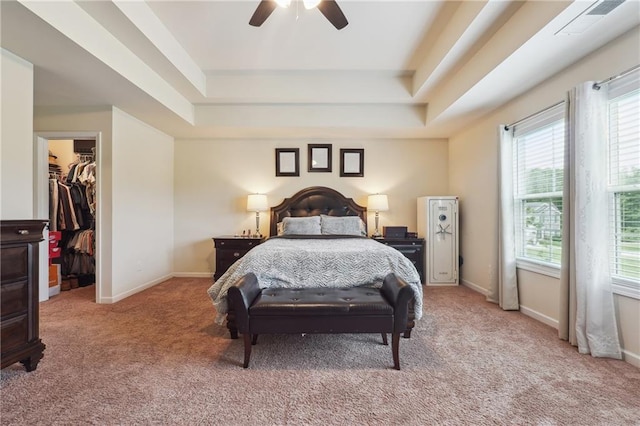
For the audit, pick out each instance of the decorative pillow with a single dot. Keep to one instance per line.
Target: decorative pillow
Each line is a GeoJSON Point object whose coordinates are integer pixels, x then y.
{"type": "Point", "coordinates": [343, 225]}
{"type": "Point", "coordinates": [301, 225]}
{"type": "Point", "coordinates": [280, 228]}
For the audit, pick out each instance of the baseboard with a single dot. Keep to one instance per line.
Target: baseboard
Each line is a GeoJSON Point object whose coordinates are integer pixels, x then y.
{"type": "Point", "coordinates": [631, 358]}
{"type": "Point", "coordinates": [627, 356]}
{"type": "Point", "coordinates": [54, 291]}
{"type": "Point", "coordinates": [193, 274]}
{"type": "Point", "coordinates": [540, 317]}
{"type": "Point", "coordinates": [138, 289]}
{"type": "Point", "coordinates": [474, 287]}
{"type": "Point", "coordinates": [441, 285]}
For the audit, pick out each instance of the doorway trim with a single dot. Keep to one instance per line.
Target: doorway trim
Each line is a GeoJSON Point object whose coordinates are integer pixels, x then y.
{"type": "Point", "coordinates": [41, 204]}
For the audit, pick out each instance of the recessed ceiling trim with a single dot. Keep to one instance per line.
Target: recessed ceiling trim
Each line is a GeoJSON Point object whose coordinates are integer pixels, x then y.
{"type": "Point", "coordinates": [81, 28]}
{"type": "Point", "coordinates": [141, 15]}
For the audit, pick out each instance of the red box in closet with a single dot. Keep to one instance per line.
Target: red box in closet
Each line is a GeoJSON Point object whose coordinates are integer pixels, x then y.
{"type": "Point", "coordinates": [54, 252]}
{"type": "Point", "coordinates": [54, 238]}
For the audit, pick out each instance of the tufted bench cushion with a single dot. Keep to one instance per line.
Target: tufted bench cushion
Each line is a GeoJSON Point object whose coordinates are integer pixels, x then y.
{"type": "Point", "coordinates": [325, 310]}
{"type": "Point", "coordinates": [313, 301]}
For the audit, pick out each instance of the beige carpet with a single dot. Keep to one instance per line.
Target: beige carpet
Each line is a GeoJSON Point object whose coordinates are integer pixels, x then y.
{"type": "Point", "coordinates": [158, 358]}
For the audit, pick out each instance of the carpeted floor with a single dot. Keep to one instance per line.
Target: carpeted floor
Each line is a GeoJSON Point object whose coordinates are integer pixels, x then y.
{"type": "Point", "coordinates": [158, 358]}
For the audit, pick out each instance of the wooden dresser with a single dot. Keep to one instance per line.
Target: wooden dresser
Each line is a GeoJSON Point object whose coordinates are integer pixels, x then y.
{"type": "Point", "coordinates": [229, 249]}
{"type": "Point", "coordinates": [19, 292]}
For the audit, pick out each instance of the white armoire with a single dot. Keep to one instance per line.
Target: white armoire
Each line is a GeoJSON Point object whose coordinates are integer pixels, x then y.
{"type": "Point", "coordinates": [438, 225]}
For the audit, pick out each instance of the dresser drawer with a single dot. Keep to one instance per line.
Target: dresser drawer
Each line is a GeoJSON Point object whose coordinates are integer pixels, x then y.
{"type": "Point", "coordinates": [236, 243]}
{"type": "Point", "coordinates": [14, 297]}
{"type": "Point", "coordinates": [21, 231]}
{"type": "Point", "coordinates": [230, 256]}
{"type": "Point", "coordinates": [15, 263]}
{"type": "Point", "coordinates": [413, 253]}
{"type": "Point", "coordinates": [15, 332]}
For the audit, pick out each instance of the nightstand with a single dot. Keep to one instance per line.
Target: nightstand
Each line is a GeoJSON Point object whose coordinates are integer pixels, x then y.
{"type": "Point", "coordinates": [412, 248]}
{"type": "Point", "coordinates": [229, 249]}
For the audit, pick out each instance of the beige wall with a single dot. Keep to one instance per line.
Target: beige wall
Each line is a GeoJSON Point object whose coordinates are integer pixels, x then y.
{"type": "Point", "coordinates": [142, 188]}
{"type": "Point", "coordinates": [16, 137]}
{"type": "Point", "coordinates": [214, 177]}
{"type": "Point", "coordinates": [473, 165]}
{"type": "Point", "coordinates": [63, 149]}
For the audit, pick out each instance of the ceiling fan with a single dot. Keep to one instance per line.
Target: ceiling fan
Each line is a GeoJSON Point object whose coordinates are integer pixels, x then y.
{"type": "Point", "coordinates": [329, 9]}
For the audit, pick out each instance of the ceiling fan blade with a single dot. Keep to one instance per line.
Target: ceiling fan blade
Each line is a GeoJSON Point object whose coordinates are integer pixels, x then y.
{"type": "Point", "coordinates": [333, 13]}
{"type": "Point", "coordinates": [264, 9]}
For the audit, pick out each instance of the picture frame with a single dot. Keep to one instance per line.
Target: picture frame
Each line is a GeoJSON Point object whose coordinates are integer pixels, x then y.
{"type": "Point", "coordinates": [287, 162]}
{"type": "Point", "coordinates": [318, 157]}
{"type": "Point", "coordinates": [351, 162]}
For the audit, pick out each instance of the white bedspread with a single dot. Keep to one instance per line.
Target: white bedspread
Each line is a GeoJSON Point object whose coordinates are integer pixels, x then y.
{"type": "Point", "coordinates": [335, 262]}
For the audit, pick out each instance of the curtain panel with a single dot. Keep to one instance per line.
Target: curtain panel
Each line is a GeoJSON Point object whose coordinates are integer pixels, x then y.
{"type": "Point", "coordinates": [586, 296]}
{"type": "Point", "coordinates": [505, 291]}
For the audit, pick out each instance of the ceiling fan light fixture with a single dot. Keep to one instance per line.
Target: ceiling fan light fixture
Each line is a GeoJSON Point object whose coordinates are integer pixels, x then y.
{"type": "Point", "coordinates": [310, 4]}
{"type": "Point", "coordinates": [283, 3]}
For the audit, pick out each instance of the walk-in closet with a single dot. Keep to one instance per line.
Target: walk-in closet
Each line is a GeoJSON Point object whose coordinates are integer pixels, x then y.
{"type": "Point", "coordinates": [72, 214]}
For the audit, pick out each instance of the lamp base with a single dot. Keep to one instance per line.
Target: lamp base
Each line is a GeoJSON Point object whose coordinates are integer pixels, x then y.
{"type": "Point", "coordinates": [377, 234]}
{"type": "Point", "coordinates": [257, 235]}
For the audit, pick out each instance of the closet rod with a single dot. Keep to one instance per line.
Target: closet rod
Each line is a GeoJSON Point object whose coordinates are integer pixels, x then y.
{"type": "Point", "coordinates": [599, 84]}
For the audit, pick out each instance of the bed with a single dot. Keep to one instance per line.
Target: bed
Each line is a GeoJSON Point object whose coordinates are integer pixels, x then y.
{"type": "Point", "coordinates": [317, 239]}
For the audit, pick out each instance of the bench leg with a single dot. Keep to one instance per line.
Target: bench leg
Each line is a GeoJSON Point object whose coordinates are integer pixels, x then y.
{"type": "Point", "coordinates": [231, 323]}
{"type": "Point", "coordinates": [395, 347]}
{"type": "Point", "coordinates": [255, 339]}
{"type": "Point", "coordinates": [384, 339]}
{"type": "Point", "coordinates": [247, 349]}
{"type": "Point", "coordinates": [410, 319]}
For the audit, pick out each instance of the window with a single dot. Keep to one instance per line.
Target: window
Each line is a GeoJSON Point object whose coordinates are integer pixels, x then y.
{"type": "Point", "coordinates": [538, 167]}
{"type": "Point", "coordinates": [624, 180]}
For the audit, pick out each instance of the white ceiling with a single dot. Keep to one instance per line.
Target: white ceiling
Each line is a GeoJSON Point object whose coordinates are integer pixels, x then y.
{"type": "Point", "coordinates": [196, 69]}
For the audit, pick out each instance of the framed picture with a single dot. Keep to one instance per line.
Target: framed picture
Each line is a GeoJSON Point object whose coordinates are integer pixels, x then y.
{"type": "Point", "coordinates": [352, 162]}
{"type": "Point", "coordinates": [319, 157]}
{"type": "Point", "coordinates": [287, 162]}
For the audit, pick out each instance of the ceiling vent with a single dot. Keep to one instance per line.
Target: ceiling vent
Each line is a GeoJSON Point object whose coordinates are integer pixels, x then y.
{"type": "Point", "coordinates": [589, 16]}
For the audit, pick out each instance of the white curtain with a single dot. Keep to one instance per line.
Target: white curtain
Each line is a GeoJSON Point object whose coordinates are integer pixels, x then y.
{"type": "Point", "coordinates": [586, 296]}
{"type": "Point", "coordinates": [505, 291]}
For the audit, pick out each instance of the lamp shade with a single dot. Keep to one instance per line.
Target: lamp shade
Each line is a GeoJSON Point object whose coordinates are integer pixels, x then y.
{"type": "Point", "coordinates": [378, 203]}
{"type": "Point", "coordinates": [257, 203]}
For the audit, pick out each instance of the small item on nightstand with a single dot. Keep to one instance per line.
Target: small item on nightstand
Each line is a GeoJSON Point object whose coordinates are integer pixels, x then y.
{"type": "Point", "coordinates": [394, 231]}
{"type": "Point", "coordinates": [412, 235]}
{"type": "Point", "coordinates": [243, 234]}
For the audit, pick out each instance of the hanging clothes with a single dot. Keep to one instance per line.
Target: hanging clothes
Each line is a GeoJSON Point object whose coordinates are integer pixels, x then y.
{"type": "Point", "coordinates": [72, 210]}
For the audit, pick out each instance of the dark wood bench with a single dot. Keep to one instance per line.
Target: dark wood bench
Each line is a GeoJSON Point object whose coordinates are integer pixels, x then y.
{"type": "Point", "coordinates": [321, 310]}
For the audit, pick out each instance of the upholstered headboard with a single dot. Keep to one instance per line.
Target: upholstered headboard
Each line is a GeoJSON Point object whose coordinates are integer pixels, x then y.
{"type": "Point", "coordinates": [314, 201]}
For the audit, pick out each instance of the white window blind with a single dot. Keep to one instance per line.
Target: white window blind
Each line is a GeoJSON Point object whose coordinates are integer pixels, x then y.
{"type": "Point", "coordinates": [624, 179]}
{"type": "Point", "coordinates": [538, 164]}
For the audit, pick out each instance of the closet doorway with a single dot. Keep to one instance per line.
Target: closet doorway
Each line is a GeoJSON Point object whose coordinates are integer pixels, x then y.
{"type": "Point", "coordinates": [67, 193]}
